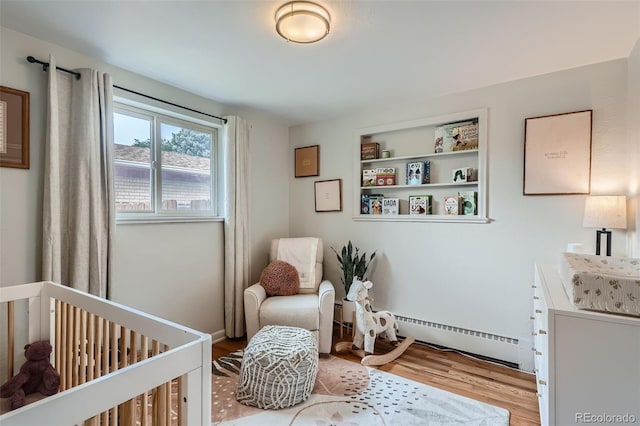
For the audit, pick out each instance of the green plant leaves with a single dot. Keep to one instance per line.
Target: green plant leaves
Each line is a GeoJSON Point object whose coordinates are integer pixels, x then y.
{"type": "Point", "coordinates": [352, 264]}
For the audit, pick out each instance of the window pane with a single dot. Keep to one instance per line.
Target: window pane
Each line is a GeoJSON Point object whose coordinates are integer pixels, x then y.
{"type": "Point", "coordinates": [132, 137]}
{"type": "Point", "coordinates": [186, 168]}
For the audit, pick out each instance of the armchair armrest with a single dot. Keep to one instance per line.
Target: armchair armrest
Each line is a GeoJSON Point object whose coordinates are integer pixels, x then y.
{"type": "Point", "coordinates": [253, 298]}
{"type": "Point", "coordinates": [326, 300]}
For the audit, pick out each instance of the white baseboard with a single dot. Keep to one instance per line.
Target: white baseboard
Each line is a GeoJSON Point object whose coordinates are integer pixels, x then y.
{"type": "Point", "coordinates": [217, 336]}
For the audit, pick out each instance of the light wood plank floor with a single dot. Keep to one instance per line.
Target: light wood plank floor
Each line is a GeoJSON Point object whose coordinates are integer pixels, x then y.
{"type": "Point", "coordinates": [480, 380]}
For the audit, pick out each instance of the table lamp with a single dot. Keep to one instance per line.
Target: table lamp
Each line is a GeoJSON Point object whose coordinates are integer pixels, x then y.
{"type": "Point", "coordinates": [605, 211]}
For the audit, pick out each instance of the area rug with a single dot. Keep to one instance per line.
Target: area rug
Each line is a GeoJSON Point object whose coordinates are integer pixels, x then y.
{"type": "Point", "coordinates": [349, 394]}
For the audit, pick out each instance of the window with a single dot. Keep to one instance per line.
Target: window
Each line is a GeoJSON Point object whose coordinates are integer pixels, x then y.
{"type": "Point", "coordinates": [165, 167]}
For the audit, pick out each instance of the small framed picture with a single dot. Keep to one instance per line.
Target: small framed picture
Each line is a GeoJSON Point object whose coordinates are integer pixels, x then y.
{"type": "Point", "coordinates": [307, 161]}
{"type": "Point", "coordinates": [328, 194]}
{"type": "Point", "coordinates": [14, 128]}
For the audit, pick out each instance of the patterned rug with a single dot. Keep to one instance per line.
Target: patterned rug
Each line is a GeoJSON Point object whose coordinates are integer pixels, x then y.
{"type": "Point", "coordinates": [349, 394]}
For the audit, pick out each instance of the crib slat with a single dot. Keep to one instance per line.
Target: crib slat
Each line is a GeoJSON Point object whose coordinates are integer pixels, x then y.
{"type": "Point", "coordinates": [76, 347]}
{"type": "Point", "coordinates": [157, 417]}
{"type": "Point", "coordinates": [131, 404]}
{"type": "Point", "coordinates": [63, 346]}
{"type": "Point", "coordinates": [92, 334]}
{"type": "Point", "coordinates": [167, 396]}
{"type": "Point", "coordinates": [57, 335]}
{"type": "Point", "coordinates": [91, 346]}
{"type": "Point", "coordinates": [69, 356]}
{"type": "Point", "coordinates": [113, 367]}
{"type": "Point", "coordinates": [180, 398]}
{"type": "Point", "coordinates": [10, 337]}
{"type": "Point", "coordinates": [82, 347]}
{"type": "Point", "coordinates": [104, 418]}
{"type": "Point", "coordinates": [144, 403]}
{"type": "Point", "coordinates": [124, 409]}
{"type": "Point", "coordinates": [160, 405]}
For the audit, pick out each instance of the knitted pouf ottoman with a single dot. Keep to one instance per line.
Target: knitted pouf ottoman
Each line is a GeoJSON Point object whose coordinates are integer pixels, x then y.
{"type": "Point", "coordinates": [279, 368]}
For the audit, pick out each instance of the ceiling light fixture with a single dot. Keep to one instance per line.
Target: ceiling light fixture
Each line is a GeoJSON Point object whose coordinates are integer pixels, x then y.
{"type": "Point", "coordinates": [302, 22]}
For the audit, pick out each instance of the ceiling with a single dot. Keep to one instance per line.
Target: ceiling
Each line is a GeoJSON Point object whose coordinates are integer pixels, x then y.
{"type": "Point", "coordinates": [377, 51]}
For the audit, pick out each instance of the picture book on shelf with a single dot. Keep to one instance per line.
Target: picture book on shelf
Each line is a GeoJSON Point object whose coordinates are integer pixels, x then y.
{"type": "Point", "coordinates": [448, 137]}
{"type": "Point", "coordinates": [375, 204]}
{"type": "Point", "coordinates": [364, 202]}
{"type": "Point", "coordinates": [452, 205]}
{"type": "Point", "coordinates": [465, 137]}
{"type": "Point", "coordinates": [464, 174]}
{"type": "Point", "coordinates": [420, 204]}
{"type": "Point", "coordinates": [418, 172]}
{"type": "Point", "coordinates": [469, 201]}
{"type": "Point", "coordinates": [369, 177]}
{"type": "Point", "coordinates": [390, 206]}
{"type": "Point", "coordinates": [385, 176]}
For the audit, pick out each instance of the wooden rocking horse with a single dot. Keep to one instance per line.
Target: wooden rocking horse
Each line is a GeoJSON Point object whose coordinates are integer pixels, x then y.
{"type": "Point", "coordinates": [369, 325]}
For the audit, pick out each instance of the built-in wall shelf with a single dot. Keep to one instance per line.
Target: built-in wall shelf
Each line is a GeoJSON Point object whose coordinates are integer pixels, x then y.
{"type": "Point", "coordinates": [424, 185]}
{"type": "Point", "coordinates": [416, 218]}
{"type": "Point", "coordinates": [414, 141]}
{"type": "Point", "coordinates": [417, 157]}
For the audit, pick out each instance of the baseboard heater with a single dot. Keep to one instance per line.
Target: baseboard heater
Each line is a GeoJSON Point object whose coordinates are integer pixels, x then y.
{"type": "Point", "coordinates": [492, 347]}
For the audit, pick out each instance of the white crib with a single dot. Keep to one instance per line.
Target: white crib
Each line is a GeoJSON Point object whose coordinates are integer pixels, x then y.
{"type": "Point", "coordinates": [117, 365]}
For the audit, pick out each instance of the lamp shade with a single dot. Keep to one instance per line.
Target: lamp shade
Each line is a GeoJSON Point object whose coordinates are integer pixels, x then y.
{"type": "Point", "coordinates": [302, 21]}
{"type": "Point", "coordinates": [605, 211]}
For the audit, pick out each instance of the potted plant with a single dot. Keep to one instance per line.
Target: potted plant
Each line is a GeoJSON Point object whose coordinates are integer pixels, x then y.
{"type": "Point", "coordinates": [352, 265]}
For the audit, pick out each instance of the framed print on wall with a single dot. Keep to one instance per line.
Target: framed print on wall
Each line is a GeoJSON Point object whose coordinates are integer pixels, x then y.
{"type": "Point", "coordinates": [557, 154]}
{"type": "Point", "coordinates": [307, 161]}
{"type": "Point", "coordinates": [14, 128]}
{"type": "Point", "coordinates": [328, 194]}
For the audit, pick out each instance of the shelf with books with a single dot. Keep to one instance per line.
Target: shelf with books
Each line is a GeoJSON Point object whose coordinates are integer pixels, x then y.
{"type": "Point", "coordinates": [424, 185]}
{"type": "Point", "coordinates": [419, 156]}
{"type": "Point", "coordinates": [456, 175]}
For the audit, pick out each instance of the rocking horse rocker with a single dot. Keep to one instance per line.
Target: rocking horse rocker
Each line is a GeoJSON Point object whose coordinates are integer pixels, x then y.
{"type": "Point", "coordinates": [369, 325]}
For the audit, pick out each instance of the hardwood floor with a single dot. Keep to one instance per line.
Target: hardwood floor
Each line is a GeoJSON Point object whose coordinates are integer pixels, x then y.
{"type": "Point", "coordinates": [457, 373]}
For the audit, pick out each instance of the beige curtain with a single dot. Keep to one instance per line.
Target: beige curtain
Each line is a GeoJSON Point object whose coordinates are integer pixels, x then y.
{"type": "Point", "coordinates": [78, 208]}
{"type": "Point", "coordinates": [236, 223]}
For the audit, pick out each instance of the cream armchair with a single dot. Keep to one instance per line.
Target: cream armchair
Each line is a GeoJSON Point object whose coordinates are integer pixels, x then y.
{"type": "Point", "coordinates": [311, 308]}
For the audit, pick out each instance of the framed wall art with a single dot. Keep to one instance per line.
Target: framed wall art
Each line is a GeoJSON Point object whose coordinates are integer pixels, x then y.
{"type": "Point", "coordinates": [557, 154]}
{"type": "Point", "coordinates": [306, 161]}
{"type": "Point", "coordinates": [14, 128]}
{"type": "Point", "coordinates": [328, 194]}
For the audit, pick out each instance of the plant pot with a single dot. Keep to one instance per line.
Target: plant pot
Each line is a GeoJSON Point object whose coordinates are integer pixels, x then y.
{"type": "Point", "coordinates": [348, 311]}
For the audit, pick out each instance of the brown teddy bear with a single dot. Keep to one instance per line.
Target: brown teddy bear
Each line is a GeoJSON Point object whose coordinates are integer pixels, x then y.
{"type": "Point", "coordinates": [36, 375]}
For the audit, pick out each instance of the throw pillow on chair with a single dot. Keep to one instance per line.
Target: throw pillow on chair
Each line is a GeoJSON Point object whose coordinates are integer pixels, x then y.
{"type": "Point", "coordinates": [280, 278]}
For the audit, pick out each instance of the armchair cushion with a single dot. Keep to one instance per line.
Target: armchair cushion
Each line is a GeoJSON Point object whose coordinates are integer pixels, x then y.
{"type": "Point", "coordinates": [280, 278]}
{"type": "Point", "coordinates": [301, 310]}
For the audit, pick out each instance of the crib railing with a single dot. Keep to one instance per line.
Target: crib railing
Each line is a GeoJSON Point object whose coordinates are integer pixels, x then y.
{"type": "Point", "coordinates": [117, 365]}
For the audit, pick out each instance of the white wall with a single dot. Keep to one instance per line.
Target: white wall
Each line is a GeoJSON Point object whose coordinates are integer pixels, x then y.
{"type": "Point", "coordinates": [171, 270]}
{"type": "Point", "coordinates": [475, 276]}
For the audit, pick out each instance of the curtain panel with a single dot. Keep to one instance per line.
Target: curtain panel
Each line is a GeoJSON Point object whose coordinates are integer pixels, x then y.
{"type": "Point", "coordinates": [78, 204]}
{"type": "Point", "coordinates": [236, 223]}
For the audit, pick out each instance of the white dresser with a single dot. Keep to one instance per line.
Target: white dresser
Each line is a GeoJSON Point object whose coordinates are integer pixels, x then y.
{"type": "Point", "coordinates": [587, 363]}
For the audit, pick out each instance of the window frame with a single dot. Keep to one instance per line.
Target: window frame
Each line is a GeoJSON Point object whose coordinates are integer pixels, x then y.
{"type": "Point", "coordinates": [157, 116]}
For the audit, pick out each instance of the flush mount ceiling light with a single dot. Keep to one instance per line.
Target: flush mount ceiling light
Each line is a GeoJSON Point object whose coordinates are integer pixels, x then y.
{"type": "Point", "coordinates": [302, 22]}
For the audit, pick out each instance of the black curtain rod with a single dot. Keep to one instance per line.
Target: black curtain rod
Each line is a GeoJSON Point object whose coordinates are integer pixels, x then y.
{"type": "Point", "coordinates": [45, 67]}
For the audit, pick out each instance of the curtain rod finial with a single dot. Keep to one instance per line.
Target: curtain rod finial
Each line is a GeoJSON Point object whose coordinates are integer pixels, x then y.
{"type": "Point", "coordinates": [31, 59]}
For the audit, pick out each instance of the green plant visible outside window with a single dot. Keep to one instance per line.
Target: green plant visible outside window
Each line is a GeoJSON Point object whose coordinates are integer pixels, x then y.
{"type": "Point", "coordinates": [352, 264]}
